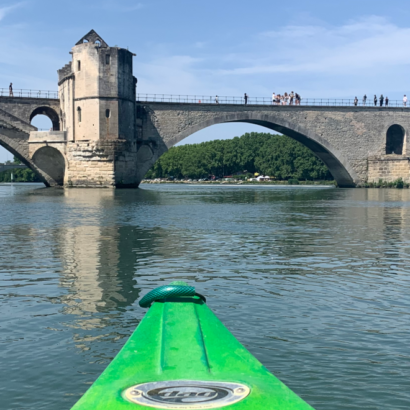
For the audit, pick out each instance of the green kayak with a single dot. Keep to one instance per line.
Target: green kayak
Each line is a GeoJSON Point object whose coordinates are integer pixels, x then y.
{"type": "Point", "coordinates": [182, 357]}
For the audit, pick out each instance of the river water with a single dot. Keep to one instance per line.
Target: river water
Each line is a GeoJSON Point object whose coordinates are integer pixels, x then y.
{"type": "Point", "coordinates": [314, 281]}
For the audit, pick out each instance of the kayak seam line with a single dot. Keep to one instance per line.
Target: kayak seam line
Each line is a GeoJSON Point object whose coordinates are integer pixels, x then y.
{"type": "Point", "coordinates": [161, 350]}
{"type": "Point", "coordinates": [202, 337]}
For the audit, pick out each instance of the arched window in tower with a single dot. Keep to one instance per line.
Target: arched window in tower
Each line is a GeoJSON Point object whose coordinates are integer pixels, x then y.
{"type": "Point", "coordinates": [78, 65]}
{"type": "Point", "coordinates": [98, 43]}
{"type": "Point", "coordinates": [107, 113]}
{"type": "Point", "coordinates": [79, 114]}
{"type": "Point", "coordinates": [107, 59]}
{"type": "Point", "coordinates": [395, 140]}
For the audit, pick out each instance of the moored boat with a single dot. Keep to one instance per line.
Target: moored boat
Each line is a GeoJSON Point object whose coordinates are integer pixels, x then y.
{"type": "Point", "coordinates": [181, 356]}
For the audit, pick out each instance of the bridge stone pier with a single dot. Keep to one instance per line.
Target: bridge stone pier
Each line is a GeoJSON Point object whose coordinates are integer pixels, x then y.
{"type": "Point", "coordinates": [103, 136]}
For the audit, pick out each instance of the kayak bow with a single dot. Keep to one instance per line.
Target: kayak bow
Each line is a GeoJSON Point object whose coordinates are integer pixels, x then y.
{"type": "Point", "coordinates": [182, 357]}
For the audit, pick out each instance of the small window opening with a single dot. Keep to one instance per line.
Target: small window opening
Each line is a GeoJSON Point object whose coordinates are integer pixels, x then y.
{"type": "Point", "coordinates": [85, 41]}
{"type": "Point", "coordinates": [107, 59]}
{"type": "Point", "coordinates": [98, 43]}
{"type": "Point", "coordinates": [79, 114]}
{"type": "Point", "coordinates": [78, 65]}
{"type": "Point", "coordinates": [395, 140]}
{"type": "Point", "coordinates": [107, 113]}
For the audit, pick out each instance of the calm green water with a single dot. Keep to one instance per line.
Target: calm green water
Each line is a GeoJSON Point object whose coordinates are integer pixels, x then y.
{"type": "Point", "coordinates": [315, 282]}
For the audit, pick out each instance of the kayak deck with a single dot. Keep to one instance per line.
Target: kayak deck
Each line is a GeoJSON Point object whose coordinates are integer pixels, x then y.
{"type": "Point", "coordinates": [182, 357]}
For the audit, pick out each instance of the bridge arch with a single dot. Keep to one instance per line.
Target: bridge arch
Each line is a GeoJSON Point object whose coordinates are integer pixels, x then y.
{"type": "Point", "coordinates": [338, 165]}
{"type": "Point", "coordinates": [48, 112]}
{"type": "Point", "coordinates": [11, 141]}
{"type": "Point", "coordinates": [51, 161]}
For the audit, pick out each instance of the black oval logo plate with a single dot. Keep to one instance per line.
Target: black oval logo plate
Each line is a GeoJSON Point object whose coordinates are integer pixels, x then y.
{"type": "Point", "coordinates": [186, 394]}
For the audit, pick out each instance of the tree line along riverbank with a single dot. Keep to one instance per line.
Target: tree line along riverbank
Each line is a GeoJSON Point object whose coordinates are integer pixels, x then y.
{"type": "Point", "coordinates": [19, 175]}
{"type": "Point", "coordinates": [279, 157]}
{"type": "Point", "coordinates": [276, 156]}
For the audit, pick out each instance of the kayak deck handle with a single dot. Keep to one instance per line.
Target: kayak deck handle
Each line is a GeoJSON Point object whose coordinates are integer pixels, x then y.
{"type": "Point", "coordinates": [167, 291]}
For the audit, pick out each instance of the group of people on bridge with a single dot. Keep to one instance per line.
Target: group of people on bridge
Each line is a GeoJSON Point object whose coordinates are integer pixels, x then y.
{"type": "Point", "coordinates": [286, 99]}
{"type": "Point", "coordinates": [381, 100]}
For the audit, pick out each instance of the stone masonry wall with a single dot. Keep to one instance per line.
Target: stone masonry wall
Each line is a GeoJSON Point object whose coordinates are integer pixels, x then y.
{"type": "Point", "coordinates": [16, 141]}
{"type": "Point", "coordinates": [102, 164]}
{"type": "Point", "coordinates": [89, 165]}
{"type": "Point", "coordinates": [349, 134]}
{"type": "Point", "coordinates": [22, 108]}
{"type": "Point", "coordinates": [388, 168]}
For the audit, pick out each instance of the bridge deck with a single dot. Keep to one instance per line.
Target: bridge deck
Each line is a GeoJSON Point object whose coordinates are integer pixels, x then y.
{"type": "Point", "coordinates": [7, 167]}
{"type": "Point", "coordinates": [222, 100]}
{"type": "Point", "coordinates": [301, 107]}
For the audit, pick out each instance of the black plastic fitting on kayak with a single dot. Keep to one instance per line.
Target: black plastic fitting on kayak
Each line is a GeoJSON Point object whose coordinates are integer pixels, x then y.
{"type": "Point", "coordinates": [168, 291]}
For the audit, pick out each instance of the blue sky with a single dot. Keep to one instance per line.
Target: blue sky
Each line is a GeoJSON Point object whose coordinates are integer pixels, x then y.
{"type": "Point", "coordinates": [322, 49]}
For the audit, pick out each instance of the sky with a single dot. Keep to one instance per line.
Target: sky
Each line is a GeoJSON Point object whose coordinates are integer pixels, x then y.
{"type": "Point", "coordinates": [320, 49]}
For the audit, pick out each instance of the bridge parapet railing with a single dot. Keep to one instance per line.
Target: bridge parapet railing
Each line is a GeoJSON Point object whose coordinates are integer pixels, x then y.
{"type": "Point", "coordinates": [206, 99]}
{"type": "Point", "coordinates": [22, 93]}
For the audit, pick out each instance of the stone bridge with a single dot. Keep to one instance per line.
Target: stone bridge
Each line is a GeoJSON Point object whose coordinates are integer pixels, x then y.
{"type": "Point", "coordinates": [16, 115]}
{"type": "Point", "coordinates": [356, 143]}
{"type": "Point", "coordinates": [102, 136]}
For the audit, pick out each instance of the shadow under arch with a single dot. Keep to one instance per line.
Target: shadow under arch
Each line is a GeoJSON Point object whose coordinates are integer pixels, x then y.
{"type": "Point", "coordinates": [51, 161]}
{"type": "Point", "coordinates": [338, 165]}
{"type": "Point", "coordinates": [395, 138]}
{"type": "Point", "coordinates": [48, 112]}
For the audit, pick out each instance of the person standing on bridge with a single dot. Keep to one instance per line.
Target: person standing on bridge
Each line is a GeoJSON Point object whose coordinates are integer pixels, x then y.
{"type": "Point", "coordinates": [11, 90]}
{"type": "Point", "coordinates": [297, 98]}
{"type": "Point", "coordinates": [364, 99]}
{"type": "Point", "coordinates": [375, 100]}
{"type": "Point", "coordinates": [381, 100]}
{"type": "Point", "coordinates": [292, 97]}
{"type": "Point", "coordinates": [386, 101]}
{"type": "Point", "coordinates": [404, 100]}
{"type": "Point", "coordinates": [245, 97]}
{"type": "Point", "coordinates": [355, 101]}
{"type": "Point", "coordinates": [216, 99]}
{"type": "Point", "coordinates": [273, 98]}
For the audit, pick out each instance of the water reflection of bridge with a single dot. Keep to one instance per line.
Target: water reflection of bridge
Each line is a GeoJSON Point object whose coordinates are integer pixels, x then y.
{"type": "Point", "coordinates": [99, 255]}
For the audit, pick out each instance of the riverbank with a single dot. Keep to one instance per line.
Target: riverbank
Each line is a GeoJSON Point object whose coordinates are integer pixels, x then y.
{"type": "Point", "coordinates": [398, 184]}
{"type": "Point", "coordinates": [237, 182]}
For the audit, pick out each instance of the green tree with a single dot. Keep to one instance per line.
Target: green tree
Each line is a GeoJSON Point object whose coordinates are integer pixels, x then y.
{"type": "Point", "coordinates": [273, 155]}
{"type": "Point", "coordinates": [19, 175]}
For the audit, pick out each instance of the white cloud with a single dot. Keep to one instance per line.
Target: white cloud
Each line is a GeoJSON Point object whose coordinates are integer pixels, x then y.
{"type": "Point", "coordinates": [369, 43]}
{"type": "Point", "coordinates": [367, 55]}
{"type": "Point", "coordinates": [5, 10]}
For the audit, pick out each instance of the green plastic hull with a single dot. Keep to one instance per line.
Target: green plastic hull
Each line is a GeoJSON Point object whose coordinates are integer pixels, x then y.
{"type": "Point", "coordinates": [180, 339]}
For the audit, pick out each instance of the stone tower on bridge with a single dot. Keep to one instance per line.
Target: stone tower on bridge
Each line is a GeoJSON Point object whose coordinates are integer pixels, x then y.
{"type": "Point", "coordinates": [97, 92]}
{"type": "Point", "coordinates": [103, 135]}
